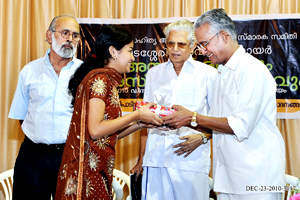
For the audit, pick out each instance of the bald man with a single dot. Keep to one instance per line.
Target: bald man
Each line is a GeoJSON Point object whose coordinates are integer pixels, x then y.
{"type": "Point", "coordinates": [43, 106]}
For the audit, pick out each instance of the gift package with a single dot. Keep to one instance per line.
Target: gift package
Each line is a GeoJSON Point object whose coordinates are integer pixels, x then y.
{"type": "Point", "coordinates": [160, 111]}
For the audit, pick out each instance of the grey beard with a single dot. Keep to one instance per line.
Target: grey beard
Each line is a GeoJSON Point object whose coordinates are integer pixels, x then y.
{"type": "Point", "coordinates": [61, 51]}
{"type": "Point", "coordinates": [66, 53]}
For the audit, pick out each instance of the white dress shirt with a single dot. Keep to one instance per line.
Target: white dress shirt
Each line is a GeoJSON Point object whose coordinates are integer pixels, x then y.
{"type": "Point", "coordinates": [191, 89]}
{"type": "Point", "coordinates": [43, 102]}
{"type": "Point", "coordinates": [245, 93]}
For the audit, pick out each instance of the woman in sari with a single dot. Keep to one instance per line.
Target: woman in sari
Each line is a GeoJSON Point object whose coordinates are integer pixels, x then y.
{"type": "Point", "coordinates": [86, 170]}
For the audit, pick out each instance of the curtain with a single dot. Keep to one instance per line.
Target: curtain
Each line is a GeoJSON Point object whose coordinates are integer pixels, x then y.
{"type": "Point", "coordinates": [23, 27]}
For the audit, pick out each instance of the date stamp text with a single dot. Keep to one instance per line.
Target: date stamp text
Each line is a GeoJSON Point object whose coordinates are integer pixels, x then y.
{"type": "Point", "coordinates": [264, 188]}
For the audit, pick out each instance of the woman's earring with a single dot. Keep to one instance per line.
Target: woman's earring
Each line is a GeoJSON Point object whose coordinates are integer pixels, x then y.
{"type": "Point", "coordinates": [115, 59]}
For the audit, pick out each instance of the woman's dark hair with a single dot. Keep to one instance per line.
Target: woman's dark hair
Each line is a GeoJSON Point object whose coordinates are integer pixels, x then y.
{"type": "Point", "coordinates": [108, 36]}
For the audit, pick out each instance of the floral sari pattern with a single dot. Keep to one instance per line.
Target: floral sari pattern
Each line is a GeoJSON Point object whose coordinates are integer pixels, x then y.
{"type": "Point", "coordinates": [86, 170]}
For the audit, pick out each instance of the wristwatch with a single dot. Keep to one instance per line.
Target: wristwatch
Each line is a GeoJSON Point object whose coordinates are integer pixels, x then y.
{"type": "Point", "coordinates": [204, 138]}
{"type": "Point", "coordinates": [194, 120]}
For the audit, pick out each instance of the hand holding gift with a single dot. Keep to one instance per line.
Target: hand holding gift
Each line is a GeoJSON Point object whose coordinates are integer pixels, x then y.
{"type": "Point", "coordinates": [148, 117]}
{"type": "Point", "coordinates": [160, 111]}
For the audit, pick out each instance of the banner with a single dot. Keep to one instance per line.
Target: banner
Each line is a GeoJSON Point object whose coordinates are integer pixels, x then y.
{"type": "Point", "coordinates": [272, 39]}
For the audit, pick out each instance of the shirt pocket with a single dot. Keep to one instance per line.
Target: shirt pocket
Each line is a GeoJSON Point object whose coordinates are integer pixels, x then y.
{"type": "Point", "coordinates": [187, 97]}
{"type": "Point", "coordinates": [46, 87]}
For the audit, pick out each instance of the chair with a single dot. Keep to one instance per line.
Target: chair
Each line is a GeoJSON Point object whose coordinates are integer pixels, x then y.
{"type": "Point", "coordinates": [119, 181]}
{"type": "Point", "coordinates": [294, 188]}
{"type": "Point", "coordinates": [6, 180]}
{"type": "Point", "coordinates": [213, 194]}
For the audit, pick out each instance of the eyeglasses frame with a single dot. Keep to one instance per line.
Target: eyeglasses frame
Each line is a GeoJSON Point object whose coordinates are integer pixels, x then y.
{"type": "Point", "coordinates": [186, 44]}
{"type": "Point", "coordinates": [70, 33]}
{"type": "Point", "coordinates": [206, 43]}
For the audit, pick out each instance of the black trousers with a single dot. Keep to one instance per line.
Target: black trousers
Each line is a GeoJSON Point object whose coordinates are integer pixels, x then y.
{"type": "Point", "coordinates": [36, 170]}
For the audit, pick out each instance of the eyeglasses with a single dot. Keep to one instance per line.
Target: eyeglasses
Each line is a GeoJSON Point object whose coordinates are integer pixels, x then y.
{"type": "Point", "coordinates": [203, 46]}
{"type": "Point", "coordinates": [66, 34]}
{"type": "Point", "coordinates": [181, 45]}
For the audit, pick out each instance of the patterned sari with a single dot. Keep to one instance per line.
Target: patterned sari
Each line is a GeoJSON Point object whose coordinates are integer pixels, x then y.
{"type": "Point", "coordinates": [86, 171]}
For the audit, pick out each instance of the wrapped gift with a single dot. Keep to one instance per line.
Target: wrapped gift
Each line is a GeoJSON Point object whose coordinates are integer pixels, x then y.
{"type": "Point", "coordinates": [160, 111]}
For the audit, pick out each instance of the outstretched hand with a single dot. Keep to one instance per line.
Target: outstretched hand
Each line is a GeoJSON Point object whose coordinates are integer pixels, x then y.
{"type": "Point", "coordinates": [148, 117]}
{"type": "Point", "coordinates": [191, 143]}
{"type": "Point", "coordinates": [142, 125]}
{"type": "Point", "coordinates": [182, 117]}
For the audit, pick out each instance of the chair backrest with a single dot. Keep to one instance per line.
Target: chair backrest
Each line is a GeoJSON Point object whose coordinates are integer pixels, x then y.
{"type": "Point", "coordinates": [120, 184]}
{"type": "Point", "coordinates": [292, 186]}
{"type": "Point", "coordinates": [6, 180]}
{"type": "Point", "coordinates": [119, 181]}
{"type": "Point", "coordinates": [211, 183]}
{"type": "Point", "coordinates": [213, 194]}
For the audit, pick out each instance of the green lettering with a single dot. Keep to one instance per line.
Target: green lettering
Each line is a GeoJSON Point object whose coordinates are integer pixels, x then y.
{"type": "Point", "coordinates": [136, 79]}
{"type": "Point", "coordinates": [139, 83]}
{"type": "Point", "coordinates": [141, 67]}
{"type": "Point", "coordinates": [152, 64]}
{"type": "Point", "coordinates": [283, 81]}
{"type": "Point", "coordinates": [122, 83]}
{"type": "Point", "coordinates": [269, 66]}
{"type": "Point", "coordinates": [294, 85]}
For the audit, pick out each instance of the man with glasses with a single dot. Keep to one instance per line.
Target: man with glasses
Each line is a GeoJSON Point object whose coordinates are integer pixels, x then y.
{"type": "Point", "coordinates": [184, 81]}
{"type": "Point", "coordinates": [43, 106]}
{"type": "Point", "coordinates": [248, 149]}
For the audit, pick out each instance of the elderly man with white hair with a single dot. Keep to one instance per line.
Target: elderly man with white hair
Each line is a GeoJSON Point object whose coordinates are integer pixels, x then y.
{"type": "Point", "coordinates": [184, 81]}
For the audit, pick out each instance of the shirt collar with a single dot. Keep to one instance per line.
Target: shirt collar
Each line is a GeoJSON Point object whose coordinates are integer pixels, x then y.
{"type": "Point", "coordinates": [235, 58]}
{"type": "Point", "coordinates": [47, 60]}
{"type": "Point", "coordinates": [187, 62]}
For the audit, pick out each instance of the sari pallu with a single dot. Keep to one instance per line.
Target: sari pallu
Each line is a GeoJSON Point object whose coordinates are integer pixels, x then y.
{"type": "Point", "coordinates": [86, 170]}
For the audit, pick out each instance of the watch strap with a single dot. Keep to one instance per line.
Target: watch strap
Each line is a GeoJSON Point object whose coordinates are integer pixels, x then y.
{"type": "Point", "coordinates": [204, 138]}
{"type": "Point", "coordinates": [194, 117]}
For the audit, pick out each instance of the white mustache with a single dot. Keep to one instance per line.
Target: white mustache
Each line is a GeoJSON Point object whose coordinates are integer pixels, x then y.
{"type": "Point", "coordinates": [68, 43]}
